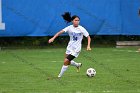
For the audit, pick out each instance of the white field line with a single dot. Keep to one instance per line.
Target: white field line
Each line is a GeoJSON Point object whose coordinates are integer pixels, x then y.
{"type": "Point", "coordinates": [55, 61]}
{"type": "Point", "coordinates": [125, 50]}
{"type": "Point", "coordinates": [3, 62]}
{"type": "Point", "coordinates": [49, 51]}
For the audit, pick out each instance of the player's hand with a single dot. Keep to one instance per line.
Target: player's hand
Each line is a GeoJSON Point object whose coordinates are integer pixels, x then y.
{"type": "Point", "coordinates": [51, 40]}
{"type": "Point", "coordinates": [88, 48]}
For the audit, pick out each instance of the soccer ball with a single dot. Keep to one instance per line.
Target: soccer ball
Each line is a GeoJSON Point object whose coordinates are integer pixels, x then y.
{"type": "Point", "coordinates": [91, 72]}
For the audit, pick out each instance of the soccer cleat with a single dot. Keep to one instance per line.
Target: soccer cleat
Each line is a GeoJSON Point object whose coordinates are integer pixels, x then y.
{"type": "Point", "coordinates": [78, 67]}
{"type": "Point", "coordinates": [59, 76]}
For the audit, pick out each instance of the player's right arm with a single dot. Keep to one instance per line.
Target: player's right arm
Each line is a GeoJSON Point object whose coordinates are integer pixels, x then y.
{"type": "Point", "coordinates": [55, 36]}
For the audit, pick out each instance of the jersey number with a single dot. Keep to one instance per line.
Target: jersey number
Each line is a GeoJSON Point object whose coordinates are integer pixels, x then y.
{"type": "Point", "coordinates": [2, 25]}
{"type": "Point", "coordinates": [75, 38]}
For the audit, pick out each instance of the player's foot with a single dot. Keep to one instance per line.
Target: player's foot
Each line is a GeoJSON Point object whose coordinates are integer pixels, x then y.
{"type": "Point", "coordinates": [59, 76]}
{"type": "Point", "coordinates": [78, 67]}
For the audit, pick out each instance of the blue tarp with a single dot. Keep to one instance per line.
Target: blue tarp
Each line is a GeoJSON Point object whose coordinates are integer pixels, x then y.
{"type": "Point", "coordinates": [43, 17]}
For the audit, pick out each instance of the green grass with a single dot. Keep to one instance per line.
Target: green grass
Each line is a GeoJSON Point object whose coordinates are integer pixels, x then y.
{"type": "Point", "coordinates": [36, 70]}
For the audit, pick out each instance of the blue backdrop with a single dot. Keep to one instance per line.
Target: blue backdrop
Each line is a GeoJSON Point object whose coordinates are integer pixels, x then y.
{"type": "Point", "coordinates": [43, 17]}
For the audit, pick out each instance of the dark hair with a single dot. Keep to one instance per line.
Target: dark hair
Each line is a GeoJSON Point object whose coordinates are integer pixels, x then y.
{"type": "Point", "coordinates": [67, 17]}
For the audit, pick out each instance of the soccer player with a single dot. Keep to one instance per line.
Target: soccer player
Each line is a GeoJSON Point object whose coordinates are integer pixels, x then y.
{"type": "Point", "coordinates": [76, 33]}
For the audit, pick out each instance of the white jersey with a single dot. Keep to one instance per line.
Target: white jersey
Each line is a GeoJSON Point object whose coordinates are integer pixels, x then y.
{"type": "Point", "coordinates": [76, 35]}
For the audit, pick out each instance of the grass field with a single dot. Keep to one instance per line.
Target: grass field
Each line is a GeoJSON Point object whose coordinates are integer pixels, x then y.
{"type": "Point", "coordinates": [36, 70]}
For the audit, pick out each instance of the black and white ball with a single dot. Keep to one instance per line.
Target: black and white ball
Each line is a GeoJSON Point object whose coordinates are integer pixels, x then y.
{"type": "Point", "coordinates": [91, 72]}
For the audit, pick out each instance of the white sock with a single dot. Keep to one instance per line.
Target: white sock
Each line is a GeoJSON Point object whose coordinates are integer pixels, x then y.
{"type": "Point", "coordinates": [73, 63]}
{"type": "Point", "coordinates": [63, 69]}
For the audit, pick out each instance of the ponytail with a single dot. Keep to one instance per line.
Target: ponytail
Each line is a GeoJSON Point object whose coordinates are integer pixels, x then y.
{"type": "Point", "coordinates": [67, 17]}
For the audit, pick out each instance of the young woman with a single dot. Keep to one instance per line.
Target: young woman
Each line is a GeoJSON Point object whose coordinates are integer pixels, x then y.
{"type": "Point", "coordinates": [76, 33]}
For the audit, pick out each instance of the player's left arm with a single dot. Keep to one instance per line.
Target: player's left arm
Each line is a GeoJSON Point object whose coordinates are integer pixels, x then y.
{"type": "Point", "coordinates": [89, 41]}
{"type": "Point", "coordinates": [86, 34]}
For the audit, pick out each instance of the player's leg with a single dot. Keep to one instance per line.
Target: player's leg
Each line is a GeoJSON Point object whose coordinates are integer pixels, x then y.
{"type": "Point", "coordinates": [66, 63]}
{"type": "Point", "coordinates": [73, 63]}
{"type": "Point", "coordinates": [77, 65]}
{"type": "Point", "coordinates": [64, 67]}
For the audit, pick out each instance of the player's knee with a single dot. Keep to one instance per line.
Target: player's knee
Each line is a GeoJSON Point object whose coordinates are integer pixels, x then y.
{"type": "Point", "coordinates": [66, 62]}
